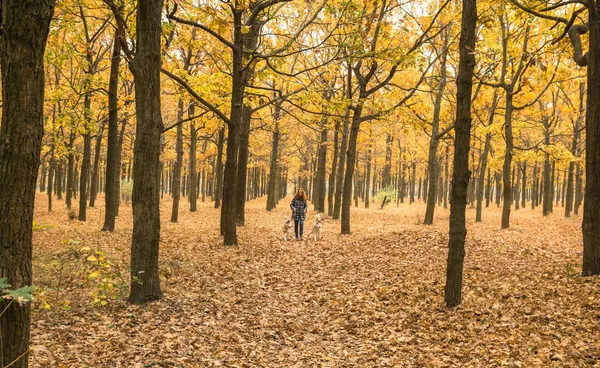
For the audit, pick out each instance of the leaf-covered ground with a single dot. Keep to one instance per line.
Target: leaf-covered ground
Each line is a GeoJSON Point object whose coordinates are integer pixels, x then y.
{"type": "Point", "coordinates": [372, 299]}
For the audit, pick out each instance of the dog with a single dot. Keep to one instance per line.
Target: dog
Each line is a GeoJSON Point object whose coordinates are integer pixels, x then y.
{"type": "Point", "coordinates": [317, 230]}
{"type": "Point", "coordinates": [287, 230]}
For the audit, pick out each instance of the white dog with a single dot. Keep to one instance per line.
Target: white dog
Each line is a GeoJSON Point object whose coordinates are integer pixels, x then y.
{"type": "Point", "coordinates": [287, 230]}
{"type": "Point", "coordinates": [317, 230]}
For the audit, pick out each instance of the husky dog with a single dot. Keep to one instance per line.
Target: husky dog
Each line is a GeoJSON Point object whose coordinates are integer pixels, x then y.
{"type": "Point", "coordinates": [317, 230]}
{"type": "Point", "coordinates": [287, 230]}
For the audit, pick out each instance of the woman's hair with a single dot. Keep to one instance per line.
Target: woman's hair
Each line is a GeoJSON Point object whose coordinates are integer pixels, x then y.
{"type": "Point", "coordinates": [302, 195]}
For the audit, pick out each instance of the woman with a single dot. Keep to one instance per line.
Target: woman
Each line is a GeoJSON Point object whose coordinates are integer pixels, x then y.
{"type": "Point", "coordinates": [299, 208]}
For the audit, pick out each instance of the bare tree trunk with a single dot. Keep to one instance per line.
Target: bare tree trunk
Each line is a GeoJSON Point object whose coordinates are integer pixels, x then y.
{"type": "Point", "coordinates": [24, 26]}
{"type": "Point", "coordinates": [145, 283]}
{"type": "Point", "coordinates": [332, 175]}
{"type": "Point", "coordinates": [461, 174]}
{"type": "Point", "coordinates": [96, 167]}
{"type": "Point", "coordinates": [113, 162]}
{"type": "Point", "coordinates": [219, 170]}
{"type": "Point", "coordinates": [339, 181]}
{"type": "Point", "coordinates": [482, 169]}
{"type": "Point", "coordinates": [178, 164]}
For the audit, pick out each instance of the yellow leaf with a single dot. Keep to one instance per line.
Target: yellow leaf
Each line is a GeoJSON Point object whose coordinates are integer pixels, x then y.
{"type": "Point", "coordinates": [94, 275]}
{"type": "Point", "coordinates": [92, 258]}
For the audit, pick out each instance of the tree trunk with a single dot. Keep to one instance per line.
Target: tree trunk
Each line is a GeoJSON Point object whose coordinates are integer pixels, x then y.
{"type": "Point", "coordinates": [387, 169]}
{"type": "Point", "coordinates": [508, 156]}
{"type": "Point", "coordinates": [24, 30]}
{"type": "Point", "coordinates": [570, 195]}
{"type": "Point", "coordinates": [547, 202]}
{"type": "Point", "coordinates": [145, 283]}
{"type": "Point", "coordinates": [178, 164]}
{"type": "Point", "coordinates": [273, 179]}
{"type": "Point", "coordinates": [321, 170]}
{"type": "Point", "coordinates": [332, 175]}
{"type": "Point", "coordinates": [70, 171]}
{"type": "Point", "coordinates": [517, 192]}
{"type": "Point", "coordinates": [368, 179]}
{"type": "Point", "coordinates": [87, 158]}
{"type": "Point", "coordinates": [96, 167]}
{"type": "Point", "coordinates": [193, 181]}
{"type": "Point", "coordinates": [432, 168]}
{"type": "Point", "coordinates": [113, 164]}
{"type": "Point", "coordinates": [242, 165]}
{"type": "Point", "coordinates": [461, 174]}
{"type": "Point", "coordinates": [351, 159]}
{"type": "Point", "coordinates": [482, 169]}
{"type": "Point", "coordinates": [339, 180]}
{"type": "Point", "coordinates": [219, 170]}
{"type": "Point", "coordinates": [524, 185]}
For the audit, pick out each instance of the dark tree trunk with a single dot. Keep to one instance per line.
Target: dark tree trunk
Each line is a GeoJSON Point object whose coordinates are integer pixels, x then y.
{"type": "Point", "coordinates": [488, 188]}
{"type": "Point", "coordinates": [219, 169]}
{"type": "Point", "coordinates": [368, 179]}
{"type": "Point", "coordinates": [446, 175]}
{"type": "Point", "coordinates": [412, 182]}
{"type": "Point", "coordinates": [339, 180]}
{"type": "Point", "coordinates": [273, 178]}
{"type": "Point", "coordinates": [387, 169]}
{"type": "Point", "coordinates": [432, 168]}
{"type": "Point", "coordinates": [242, 165]}
{"type": "Point", "coordinates": [70, 171]}
{"type": "Point", "coordinates": [517, 193]}
{"type": "Point", "coordinates": [570, 195]}
{"type": "Point", "coordinates": [332, 175]}
{"type": "Point", "coordinates": [547, 182]}
{"type": "Point", "coordinates": [193, 181]}
{"type": "Point", "coordinates": [578, 189]}
{"type": "Point", "coordinates": [23, 33]}
{"type": "Point", "coordinates": [87, 158]}
{"type": "Point", "coordinates": [524, 185]}
{"type": "Point", "coordinates": [535, 187]}
{"type": "Point", "coordinates": [96, 167]}
{"type": "Point", "coordinates": [461, 174]}
{"type": "Point", "coordinates": [321, 170]}
{"type": "Point", "coordinates": [145, 283]}
{"type": "Point", "coordinates": [178, 164]}
{"type": "Point", "coordinates": [351, 160]}
{"type": "Point", "coordinates": [508, 156]}
{"type": "Point", "coordinates": [113, 164]}
{"type": "Point", "coordinates": [482, 170]}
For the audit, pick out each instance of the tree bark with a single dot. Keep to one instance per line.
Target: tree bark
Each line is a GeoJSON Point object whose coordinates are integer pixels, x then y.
{"type": "Point", "coordinates": [332, 175]}
{"type": "Point", "coordinates": [339, 181]}
{"type": "Point", "coordinates": [24, 31]}
{"type": "Point", "coordinates": [432, 168]}
{"type": "Point", "coordinates": [461, 174]}
{"type": "Point", "coordinates": [145, 283]}
{"type": "Point", "coordinates": [219, 169]}
{"type": "Point", "coordinates": [178, 164]}
{"type": "Point", "coordinates": [96, 167]}
{"type": "Point", "coordinates": [482, 169]}
{"type": "Point", "coordinates": [113, 164]}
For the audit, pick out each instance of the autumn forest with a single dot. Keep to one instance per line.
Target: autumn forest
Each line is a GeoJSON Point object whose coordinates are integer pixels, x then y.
{"type": "Point", "coordinates": [287, 183]}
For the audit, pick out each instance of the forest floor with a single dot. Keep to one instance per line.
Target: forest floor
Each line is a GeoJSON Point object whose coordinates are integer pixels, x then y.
{"type": "Point", "coordinates": [370, 299]}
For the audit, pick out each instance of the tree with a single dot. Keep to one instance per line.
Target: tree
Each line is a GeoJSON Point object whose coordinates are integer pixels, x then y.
{"type": "Point", "coordinates": [461, 173]}
{"type": "Point", "coordinates": [24, 31]}
{"type": "Point", "coordinates": [590, 59]}
{"type": "Point", "coordinates": [113, 163]}
{"type": "Point", "coordinates": [145, 65]}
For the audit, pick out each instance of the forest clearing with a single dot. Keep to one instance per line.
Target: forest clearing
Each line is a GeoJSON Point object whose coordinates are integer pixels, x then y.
{"type": "Point", "coordinates": [370, 299]}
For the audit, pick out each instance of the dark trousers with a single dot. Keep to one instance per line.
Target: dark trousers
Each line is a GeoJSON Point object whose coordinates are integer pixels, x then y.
{"type": "Point", "coordinates": [298, 228]}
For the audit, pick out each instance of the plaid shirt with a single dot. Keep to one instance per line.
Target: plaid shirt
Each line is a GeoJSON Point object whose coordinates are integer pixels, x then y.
{"type": "Point", "coordinates": [298, 207]}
